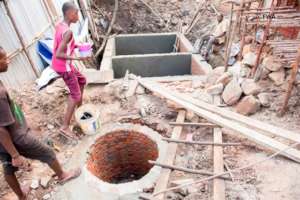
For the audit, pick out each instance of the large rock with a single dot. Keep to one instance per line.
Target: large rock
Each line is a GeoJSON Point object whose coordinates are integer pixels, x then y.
{"type": "Point", "coordinates": [248, 105]}
{"type": "Point", "coordinates": [235, 70]}
{"type": "Point", "coordinates": [278, 77]}
{"type": "Point", "coordinates": [249, 59]}
{"type": "Point", "coordinates": [215, 89]}
{"type": "Point", "coordinates": [214, 75]}
{"type": "Point", "coordinates": [264, 99]}
{"type": "Point", "coordinates": [224, 78]}
{"type": "Point", "coordinates": [203, 96]}
{"type": "Point", "coordinates": [249, 87]}
{"type": "Point", "coordinates": [232, 92]}
{"type": "Point", "coordinates": [271, 65]}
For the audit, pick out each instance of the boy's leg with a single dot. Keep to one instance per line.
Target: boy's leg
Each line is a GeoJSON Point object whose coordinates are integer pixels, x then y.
{"type": "Point", "coordinates": [34, 149]}
{"type": "Point", "coordinates": [82, 82]}
{"type": "Point", "coordinates": [10, 177]}
{"type": "Point", "coordinates": [74, 100]}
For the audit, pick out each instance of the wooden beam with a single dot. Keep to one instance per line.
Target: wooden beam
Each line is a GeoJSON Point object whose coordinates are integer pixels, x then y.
{"type": "Point", "coordinates": [249, 122]}
{"type": "Point", "coordinates": [250, 133]}
{"type": "Point", "coordinates": [194, 124]}
{"type": "Point", "coordinates": [163, 180]}
{"type": "Point", "coordinates": [187, 170]}
{"type": "Point", "coordinates": [218, 184]}
{"type": "Point", "coordinates": [201, 143]}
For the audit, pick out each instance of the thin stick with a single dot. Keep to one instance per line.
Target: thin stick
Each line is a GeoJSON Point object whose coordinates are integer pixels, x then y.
{"type": "Point", "coordinates": [152, 10]}
{"type": "Point", "coordinates": [230, 171]}
{"type": "Point", "coordinates": [265, 36]}
{"type": "Point", "coordinates": [292, 80]}
{"type": "Point", "coordinates": [201, 143]}
{"type": "Point", "coordinates": [109, 28]}
{"type": "Point", "coordinates": [194, 124]}
{"type": "Point", "coordinates": [182, 169]}
{"type": "Point", "coordinates": [194, 20]}
{"type": "Point", "coordinates": [228, 39]}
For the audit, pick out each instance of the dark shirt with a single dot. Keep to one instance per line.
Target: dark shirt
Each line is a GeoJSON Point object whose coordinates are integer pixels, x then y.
{"type": "Point", "coordinates": [11, 118]}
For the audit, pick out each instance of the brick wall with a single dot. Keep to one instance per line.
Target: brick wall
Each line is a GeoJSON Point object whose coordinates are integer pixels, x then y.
{"type": "Point", "coordinates": [118, 155]}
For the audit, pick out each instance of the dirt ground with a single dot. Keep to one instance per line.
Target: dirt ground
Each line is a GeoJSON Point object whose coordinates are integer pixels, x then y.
{"type": "Point", "coordinates": [277, 179]}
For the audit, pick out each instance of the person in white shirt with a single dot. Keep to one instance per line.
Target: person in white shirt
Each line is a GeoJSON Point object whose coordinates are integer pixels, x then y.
{"type": "Point", "coordinates": [217, 37]}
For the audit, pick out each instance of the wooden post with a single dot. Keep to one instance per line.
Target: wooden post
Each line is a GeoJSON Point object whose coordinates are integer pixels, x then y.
{"type": "Point", "coordinates": [21, 39]}
{"type": "Point", "coordinates": [266, 33]}
{"type": "Point", "coordinates": [228, 39]}
{"type": "Point", "coordinates": [87, 15]}
{"type": "Point", "coordinates": [242, 43]}
{"type": "Point", "coordinates": [50, 11]}
{"type": "Point", "coordinates": [295, 67]}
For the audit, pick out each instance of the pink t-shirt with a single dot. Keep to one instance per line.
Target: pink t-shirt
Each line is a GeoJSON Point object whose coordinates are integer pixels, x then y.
{"type": "Point", "coordinates": [61, 65]}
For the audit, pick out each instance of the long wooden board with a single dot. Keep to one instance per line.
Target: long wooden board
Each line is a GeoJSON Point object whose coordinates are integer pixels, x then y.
{"type": "Point", "coordinates": [218, 184]}
{"type": "Point", "coordinates": [163, 180]}
{"type": "Point", "coordinates": [251, 134]}
{"type": "Point", "coordinates": [249, 122]}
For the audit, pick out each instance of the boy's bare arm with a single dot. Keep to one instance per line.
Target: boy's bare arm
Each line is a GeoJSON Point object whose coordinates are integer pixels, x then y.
{"type": "Point", "coordinates": [7, 143]}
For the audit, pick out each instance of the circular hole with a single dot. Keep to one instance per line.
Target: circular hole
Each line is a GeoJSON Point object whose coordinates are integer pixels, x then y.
{"type": "Point", "coordinates": [122, 156]}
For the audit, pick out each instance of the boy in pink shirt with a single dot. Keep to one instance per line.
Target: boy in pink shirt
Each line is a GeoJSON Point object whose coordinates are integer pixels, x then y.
{"type": "Point", "coordinates": [63, 55]}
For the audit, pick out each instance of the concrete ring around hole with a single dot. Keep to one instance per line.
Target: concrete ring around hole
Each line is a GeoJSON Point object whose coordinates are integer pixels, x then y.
{"type": "Point", "coordinates": [118, 160]}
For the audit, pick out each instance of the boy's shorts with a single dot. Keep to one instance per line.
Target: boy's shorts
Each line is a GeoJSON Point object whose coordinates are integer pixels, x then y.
{"type": "Point", "coordinates": [31, 148]}
{"type": "Point", "coordinates": [75, 81]}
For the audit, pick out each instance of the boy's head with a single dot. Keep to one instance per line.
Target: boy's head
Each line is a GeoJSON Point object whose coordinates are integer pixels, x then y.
{"type": "Point", "coordinates": [4, 61]}
{"type": "Point", "coordinates": [70, 12]}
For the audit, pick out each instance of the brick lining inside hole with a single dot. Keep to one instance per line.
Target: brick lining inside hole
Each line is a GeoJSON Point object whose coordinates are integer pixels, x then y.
{"type": "Point", "coordinates": [122, 156]}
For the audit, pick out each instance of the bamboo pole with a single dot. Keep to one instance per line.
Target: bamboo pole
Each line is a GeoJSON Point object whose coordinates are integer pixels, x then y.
{"type": "Point", "coordinates": [228, 39]}
{"type": "Point", "coordinates": [20, 37]}
{"type": "Point", "coordinates": [295, 67]}
{"type": "Point", "coordinates": [201, 143]}
{"type": "Point", "coordinates": [266, 32]}
{"type": "Point", "coordinates": [194, 124]}
{"type": "Point", "coordinates": [187, 170]}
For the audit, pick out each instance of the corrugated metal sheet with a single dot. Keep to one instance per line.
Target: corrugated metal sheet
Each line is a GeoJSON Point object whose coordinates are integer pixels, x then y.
{"type": "Point", "coordinates": [31, 19]}
{"type": "Point", "coordinates": [20, 70]}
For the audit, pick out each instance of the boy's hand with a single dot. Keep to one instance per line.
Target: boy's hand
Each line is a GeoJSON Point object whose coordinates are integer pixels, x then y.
{"type": "Point", "coordinates": [20, 161]}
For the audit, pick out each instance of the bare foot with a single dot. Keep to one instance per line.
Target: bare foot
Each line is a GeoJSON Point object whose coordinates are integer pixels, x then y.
{"type": "Point", "coordinates": [70, 175]}
{"type": "Point", "coordinates": [26, 190]}
{"type": "Point", "coordinates": [66, 132]}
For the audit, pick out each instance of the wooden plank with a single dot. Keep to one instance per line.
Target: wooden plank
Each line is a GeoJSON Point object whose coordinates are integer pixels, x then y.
{"type": "Point", "coordinates": [249, 122]}
{"type": "Point", "coordinates": [218, 184]}
{"type": "Point", "coordinates": [163, 180]}
{"type": "Point", "coordinates": [250, 133]}
{"type": "Point", "coordinates": [194, 124]}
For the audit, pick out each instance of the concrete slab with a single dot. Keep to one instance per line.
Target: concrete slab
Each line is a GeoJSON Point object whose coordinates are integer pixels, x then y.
{"type": "Point", "coordinates": [152, 65]}
{"type": "Point", "coordinates": [134, 44]}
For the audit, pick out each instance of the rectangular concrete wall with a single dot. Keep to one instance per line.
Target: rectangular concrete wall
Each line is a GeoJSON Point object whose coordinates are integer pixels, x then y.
{"type": "Point", "coordinates": [152, 65]}
{"type": "Point", "coordinates": [144, 44]}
